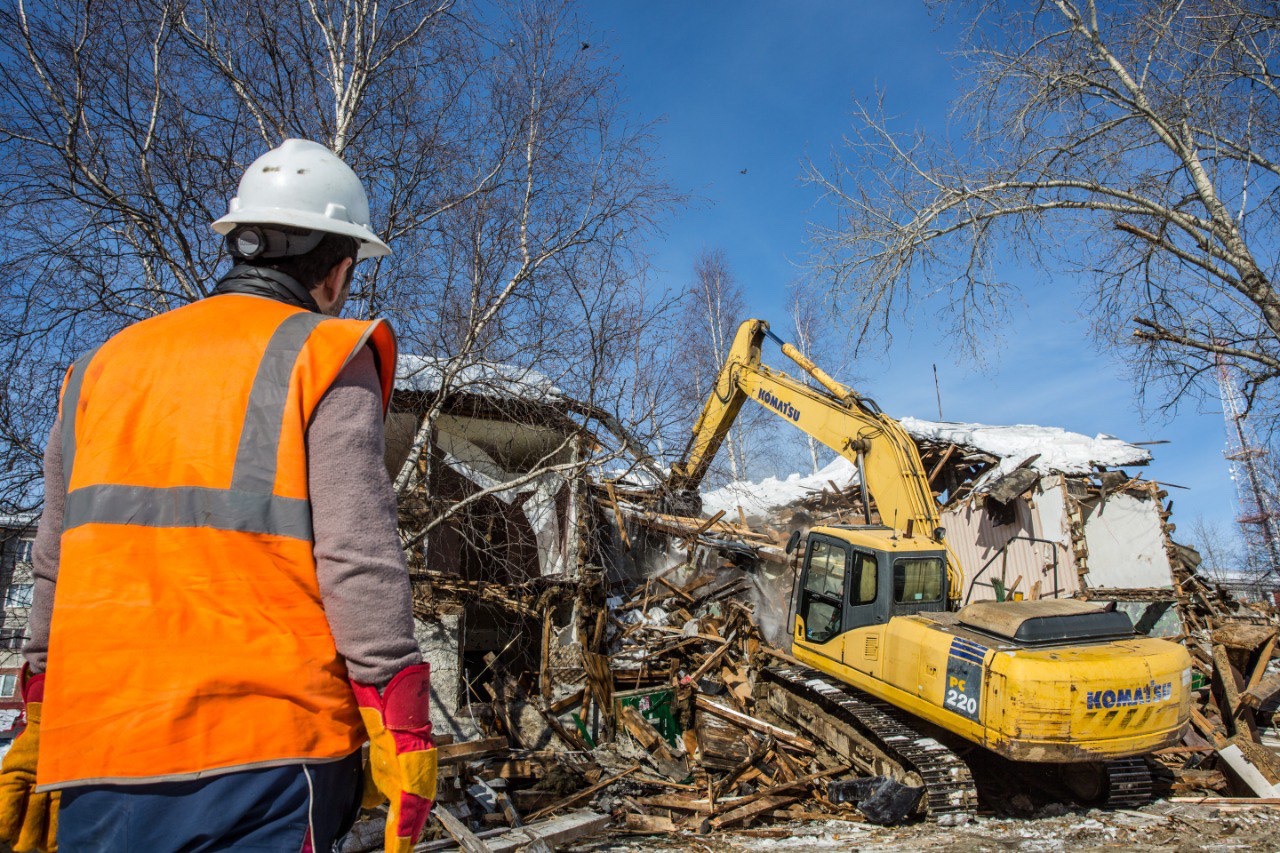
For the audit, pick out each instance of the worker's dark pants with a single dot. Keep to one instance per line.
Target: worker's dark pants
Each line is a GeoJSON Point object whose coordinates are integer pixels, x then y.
{"type": "Point", "coordinates": [293, 808]}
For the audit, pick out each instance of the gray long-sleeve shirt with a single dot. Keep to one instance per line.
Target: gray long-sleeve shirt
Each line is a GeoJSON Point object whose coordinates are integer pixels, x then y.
{"type": "Point", "coordinates": [359, 563]}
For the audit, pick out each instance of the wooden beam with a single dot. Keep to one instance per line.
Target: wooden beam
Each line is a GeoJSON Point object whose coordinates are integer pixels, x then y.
{"type": "Point", "coordinates": [782, 735]}
{"type": "Point", "coordinates": [650, 823]}
{"type": "Point", "coordinates": [750, 810]}
{"type": "Point", "coordinates": [466, 838]}
{"type": "Point", "coordinates": [951, 448]}
{"type": "Point", "coordinates": [1231, 693]}
{"type": "Point", "coordinates": [1260, 668]}
{"type": "Point", "coordinates": [617, 516]}
{"type": "Point", "coordinates": [553, 834]}
{"type": "Point", "coordinates": [455, 752]}
{"type": "Point", "coordinates": [706, 525]}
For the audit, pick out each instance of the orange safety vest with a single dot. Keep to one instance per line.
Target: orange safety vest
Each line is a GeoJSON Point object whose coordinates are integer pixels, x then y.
{"type": "Point", "coordinates": [188, 636]}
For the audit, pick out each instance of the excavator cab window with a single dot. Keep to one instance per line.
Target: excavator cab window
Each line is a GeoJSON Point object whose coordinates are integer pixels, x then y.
{"type": "Point", "coordinates": [822, 596]}
{"type": "Point", "coordinates": [863, 588]}
{"type": "Point", "coordinates": [917, 580]}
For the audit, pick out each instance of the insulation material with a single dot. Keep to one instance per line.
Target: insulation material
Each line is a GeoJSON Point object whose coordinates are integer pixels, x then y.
{"type": "Point", "coordinates": [1126, 543]}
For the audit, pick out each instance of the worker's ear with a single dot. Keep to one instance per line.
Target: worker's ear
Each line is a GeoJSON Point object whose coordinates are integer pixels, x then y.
{"type": "Point", "coordinates": [331, 293]}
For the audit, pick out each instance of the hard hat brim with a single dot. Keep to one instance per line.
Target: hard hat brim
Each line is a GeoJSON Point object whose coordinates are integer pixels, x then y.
{"type": "Point", "coordinates": [370, 245]}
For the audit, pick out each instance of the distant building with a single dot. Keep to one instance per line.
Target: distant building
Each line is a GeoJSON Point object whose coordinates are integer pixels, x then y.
{"type": "Point", "coordinates": [17, 534]}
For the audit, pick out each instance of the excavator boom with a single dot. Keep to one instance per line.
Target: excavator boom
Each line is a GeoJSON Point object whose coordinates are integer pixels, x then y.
{"type": "Point", "coordinates": [852, 425]}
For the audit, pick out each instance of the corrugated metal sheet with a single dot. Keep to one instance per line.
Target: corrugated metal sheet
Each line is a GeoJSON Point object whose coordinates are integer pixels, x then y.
{"type": "Point", "coordinates": [988, 550]}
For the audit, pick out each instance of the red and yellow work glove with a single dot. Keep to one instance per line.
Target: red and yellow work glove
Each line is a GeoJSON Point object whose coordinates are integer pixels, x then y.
{"type": "Point", "coordinates": [28, 820]}
{"type": "Point", "coordinates": [402, 756]}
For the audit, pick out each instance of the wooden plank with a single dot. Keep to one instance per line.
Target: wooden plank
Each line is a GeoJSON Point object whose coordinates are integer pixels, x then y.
{"type": "Point", "coordinates": [552, 834]}
{"type": "Point", "coordinates": [457, 829]}
{"type": "Point", "coordinates": [544, 657]}
{"type": "Point", "coordinates": [790, 738]}
{"type": "Point", "coordinates": [617, 516]}
{"type": "Point", "coordinates": [951, 448]}
{"type": "Point", "coordinates": [1261, 692]}
{"type": "Point", "coordinates": [650, 823]}
{"type": "Point", "coordinates": [1230, 681]}
{"type": "Point", "coordinates": [561, 705]}
{"type": "Point", "coordinates": [677, 590]}
{"type": "Point", "coordinates": [466, 750]}
{"type": "Point", "coordinates": [706, 525]}
{"type": "Point", "coordinates": [570, 738]}
{"type": "Point", "coordinates": [1247, 771]}
{"type": "Point", "coordinates": [710, 661]}
{"type": "Point", "coordinates": [676, 803]}
{"type": "Point", "coordinates": [663, 783]}
{"type": "Point", "coordinates": [1260, 668]}
{"type": "Point", "coordinates": [585, 793]}
{"type": "Point", "coordinates": [760, 806]}
{"type": "Point", "coordinates": [1228, 801]}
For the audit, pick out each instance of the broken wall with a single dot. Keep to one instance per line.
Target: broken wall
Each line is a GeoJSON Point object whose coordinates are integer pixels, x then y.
{"type": "Point", "coordinates": [1063, 537]}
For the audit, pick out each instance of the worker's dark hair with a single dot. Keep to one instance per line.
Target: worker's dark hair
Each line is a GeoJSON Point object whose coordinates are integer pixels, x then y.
{"type": "Point", "coordinates": [311, 268]}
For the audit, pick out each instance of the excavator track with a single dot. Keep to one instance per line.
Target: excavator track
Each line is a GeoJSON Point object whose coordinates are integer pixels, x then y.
{"type": "Point", "coordinates": [1128, 784]}
{"type": "Point", "coordinates": [949, 786]}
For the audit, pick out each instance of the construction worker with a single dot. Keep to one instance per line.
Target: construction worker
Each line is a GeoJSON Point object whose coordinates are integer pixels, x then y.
{"type": "Point", "coordinates": [233, 616]}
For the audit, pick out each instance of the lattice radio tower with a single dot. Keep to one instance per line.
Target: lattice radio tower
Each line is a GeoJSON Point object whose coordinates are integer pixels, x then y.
{"type": "Point", "coordinates": [1258, 519]}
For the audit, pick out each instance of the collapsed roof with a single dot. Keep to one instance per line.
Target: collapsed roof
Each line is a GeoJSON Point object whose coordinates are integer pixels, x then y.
{"type": "Point", "coordinates": [978, 456]}
{"type": "Point", "coordinates": [1048, 450]}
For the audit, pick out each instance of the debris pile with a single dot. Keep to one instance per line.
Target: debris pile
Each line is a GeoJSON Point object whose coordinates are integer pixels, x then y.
{"type": "Point", "coordinates": [1235, 679]}
{"type": "Point", "coordinates": [653, 728]}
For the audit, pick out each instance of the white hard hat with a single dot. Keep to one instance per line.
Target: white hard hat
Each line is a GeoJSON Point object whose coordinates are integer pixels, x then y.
{"type": "Point", "coordinates": [302, 184]}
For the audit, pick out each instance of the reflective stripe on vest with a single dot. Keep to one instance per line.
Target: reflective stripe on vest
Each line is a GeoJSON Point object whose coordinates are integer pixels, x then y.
{"type": "Point", "coordinates": [249, 505]}
{"type": "Point", "coordinates": [70, 403]}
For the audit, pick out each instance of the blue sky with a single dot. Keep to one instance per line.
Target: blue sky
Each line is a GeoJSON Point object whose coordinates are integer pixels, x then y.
{"type": "Point", "coordinates": [762, 85]}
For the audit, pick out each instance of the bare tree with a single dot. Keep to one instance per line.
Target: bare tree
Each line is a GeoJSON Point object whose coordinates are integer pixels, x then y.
{"type": "Point", "coordinates": [514, 191]}
{"type": "Point", "coordinates": [1134, 143]}
{"type": "Point", "coordinates": [716, 307]}
{"type": "Point", "coordinates": [1221, 551]}
{"type": "Point", "coordinates": [817, 338]}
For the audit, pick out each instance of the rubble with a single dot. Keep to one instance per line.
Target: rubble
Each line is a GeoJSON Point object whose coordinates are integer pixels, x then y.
{"type": "Point", "coordinates": [608, 675]}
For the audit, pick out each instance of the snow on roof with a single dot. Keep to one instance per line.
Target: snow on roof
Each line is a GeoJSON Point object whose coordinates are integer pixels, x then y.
{"type": "Point", "coordinates": [759, 498]}
{"type": "Point", "coordinates": [1059, 451]}
{"type": "Point", "coordinates": [492, 379]}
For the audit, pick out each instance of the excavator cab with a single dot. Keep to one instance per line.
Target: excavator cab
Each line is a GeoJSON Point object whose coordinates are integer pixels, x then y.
{"type": "Point", "coordinates": [858, 576]}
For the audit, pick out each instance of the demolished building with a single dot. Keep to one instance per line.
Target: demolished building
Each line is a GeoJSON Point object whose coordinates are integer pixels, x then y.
{"type": "Point", "coordinates": [1039, 512]}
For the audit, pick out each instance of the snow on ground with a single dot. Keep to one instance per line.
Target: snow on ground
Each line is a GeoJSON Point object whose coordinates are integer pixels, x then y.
{"type": "Point", "coordinates": [759, 498]}
{"type": "Point", "coordinates": [424, 373]}
{"type": "Point", "coordinates": [1159, 826]}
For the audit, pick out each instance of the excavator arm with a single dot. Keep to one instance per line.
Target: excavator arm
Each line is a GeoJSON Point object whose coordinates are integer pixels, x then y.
{"type": "Point", "coordinates": [886, 458]}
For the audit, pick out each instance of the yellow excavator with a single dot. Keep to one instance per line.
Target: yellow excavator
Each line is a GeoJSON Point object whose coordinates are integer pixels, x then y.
{"type": "Point", "coordinates": [899, 681]}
